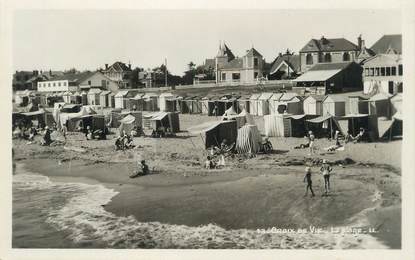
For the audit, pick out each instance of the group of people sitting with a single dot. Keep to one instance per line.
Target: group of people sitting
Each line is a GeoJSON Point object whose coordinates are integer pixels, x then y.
{"type": "Point", "coordinates": [124, 141]}
{"type": "Point", "coordinates": [97, 134]}
{"type": "Point", "coordinates": [162, 132]}
{"type": "Point", "coordinates": [216, 159]}
{"type": "Point", "coordinates": [29, 131]}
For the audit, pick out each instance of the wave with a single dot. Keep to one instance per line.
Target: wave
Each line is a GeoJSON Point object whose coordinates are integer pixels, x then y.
{"type": "Point", "coordinates": [84, 218]}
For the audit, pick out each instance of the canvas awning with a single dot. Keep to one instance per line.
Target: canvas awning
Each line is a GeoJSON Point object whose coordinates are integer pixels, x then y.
{"type": "Point", "coordinates": [398, 116]}
{"type": "Point", "coordinates": [129, 119]}
{"type": "Point", "coordinates": [320, 119]}
{"type": "Point", "coordinates": [122, 93]}
{"type": "Point", "coordinates": [159, 116]}
{"type": "Point", "coordinates": [380, 96]}
{"type": "Point", "coordinates": [354, 116]}
{"type": "Point", "coordinates": [204, 127]}
{"type": "Point", "coordinates": [34, 113]}
{"type": "Point", "coordinates": [105, 92]}
{"type": "Point", "coordinates": [296, 117]}
{"type": "Point", "coordinates": [317, 75]}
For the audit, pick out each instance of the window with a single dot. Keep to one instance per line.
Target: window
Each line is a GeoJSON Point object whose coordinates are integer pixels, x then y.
{"type": "Point", "coordinates": [255, 61]}
{"type": "Point", "coordinates": [393, 71]}
{"type": "Point", "coordinates": [320, 57]}
{"type": "Point", "coordinates": [346, 56]}
{"type": "Point", "coordinates": [400, 70]}
{"type": "Point", "coordinates": [103, 83]}
{"type": "Point", "coordinates": [388, 71]}
{"type": "Point", "coordinates": [382, 71]}
{"type": "Point", "coordinates": [367, 72]}
{"type": "Point", "coordinates": [89, 82]}
{"type": "Point", "coordinates": [236, 76]}
{"type": "Point", "coordinates": [327, 57]}
{"type": "Point", "coordinates": [400, 87]}
{"type": "Point", "coordinates": [54, 84]}
{"type": "Point", "coordinates": [390, 87]}
{"type": "Point", "coordinates": [371, 72]}
{"type": "Point", "coordinates": [309, 59]}
{"type": "Point", "coordinates": [377, 71]}
{"type": "Point", "coordinates": [64, 83]}
{"type": "Point", "coordinates": [108, 82]}
{"type": "Point", "coordinates": [223, 76]}
{"type": "Point", "coordinates": [48, 84]}
{"type": "Point", "coordinates": [59, 84]}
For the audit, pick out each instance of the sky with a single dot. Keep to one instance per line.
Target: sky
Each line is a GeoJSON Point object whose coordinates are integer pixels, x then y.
{"type": "Point", "coordinates": [88, 39]}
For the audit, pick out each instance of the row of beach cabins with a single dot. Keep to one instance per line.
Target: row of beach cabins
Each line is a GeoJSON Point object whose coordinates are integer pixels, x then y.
{"type": "Point", "coordinates": [257, 104]}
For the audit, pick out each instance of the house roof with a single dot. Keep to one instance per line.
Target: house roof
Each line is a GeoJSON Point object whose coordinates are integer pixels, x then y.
{"type": "Point", "coordinates": [393, 41]}
{"type": "Point", "coordinates": [291, 60]}
{"type": "Point", "coordinates": [252, 52]}
{"type": "Point", "coordinates": [288, 96]}
{"type": "Point", "coordinates": [330, 66]}
{"type": "Point", "coordinates": [225, 51]}
{"type": "Point", "coordinates": [233, 64]}
{"type": "Point", "coordinates": [265, 96]}
{"type": "Point", "coordinates": [119, 66]}
{"type": "Point", "coordinates": [77, 77]}
{"type": "Point", "coordinates": [316, 97]}
{"type": "Point", "coordinates": [334, 98]}
{"type": "Point", "coordinates": [323, 44]}
{"type": "Point", "coordinates": [317, 75]}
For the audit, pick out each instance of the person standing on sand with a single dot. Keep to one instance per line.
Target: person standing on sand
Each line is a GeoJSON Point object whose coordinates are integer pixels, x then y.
{"type": "Point", "coordinates": [307, 178]}
{"type": "Point", "coordinates": [326, 170]}
{"type": "Point", "coordinates": [311, 138]}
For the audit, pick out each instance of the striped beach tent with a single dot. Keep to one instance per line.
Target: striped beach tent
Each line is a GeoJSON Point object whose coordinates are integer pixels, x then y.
{"type": "Point", "coordinates": [249, 140]}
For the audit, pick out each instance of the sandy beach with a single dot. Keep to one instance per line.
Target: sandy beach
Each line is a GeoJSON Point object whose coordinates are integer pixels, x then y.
{"type": "Point", "coordinates": [248, 194]}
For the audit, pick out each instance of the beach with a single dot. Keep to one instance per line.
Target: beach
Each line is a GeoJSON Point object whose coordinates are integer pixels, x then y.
{"type": "Point", "coordinates": [182, 205]}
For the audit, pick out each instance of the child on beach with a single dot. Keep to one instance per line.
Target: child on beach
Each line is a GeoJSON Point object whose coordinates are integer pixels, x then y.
{"type": "Point", "coordinates": [307, 178]}
{"type": "Point", "coordinates": [326, 170]}
{"type": "Point", "coordinates": [311, 142]}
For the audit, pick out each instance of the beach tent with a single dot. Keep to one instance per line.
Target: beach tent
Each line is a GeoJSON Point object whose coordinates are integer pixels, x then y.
{"type": "Point", "coordinates": [84, 98]}
{"type": "Point", "coordinates": [284, 125]}
{"type": "Point", "coordinates": [313, 105]}
{"type": "Point", "coordinates": [94, 121]}
{"type": "Point", "coordinates": [334, 105]}
{"type": "Point", "coordinates": [253, 104]}
{"type": "Point", "coordinates": [243, 103]}
{"type": "Point", "coordinates": [173, 104]}
{"type": "Point", "coordinates": [111, 100]}
{"type": "Point", "coordinates": [248, 140]}
{"type": "Point", "coordinates": [263, 104]}
{"type": "Point", "coordinates": [204, 103]}
{"type": "Point", "coordinates": [215, 132]}
{"type": "Point", "coordinates": [115, 118]}
{"type": "Point", "coordinates": [67, 97]}
{"type": "Point", "coordinates": [164, 119]}
{"type": "Point", "coordinates": [380, 105]}
{"type": "Point", "coordinates": [228, 101]}
{"type": "Point", "coordinates": [184, 105]}
{"type": "Point", "coordinates": [163, 101]}
{"type": "Point", "coordinates": [289, 103]}
{"type": "Point", "coordinates": [356, 121]}
{"type": "Point", "coordinates": [103, 98]}
{"type": "Point", "coordinates": [324, 126]}
{"type": "Point", "coordinates": [70, 108]}
{"type": "Point", "coordinates": [196, 107]}
{"type": "Point", "coordinates": [137, 101]}
{"type": "Point", "coordinates": [150, 102]}
{"type": "Point", "coordinates": [396, 103]}
{"type": "Point", "coordinates": [129, 121]}
{"type": "Point", "coordinates": [76, 98]}
{"type": "Point", "coordinates": [357, 105]}
{"type": "Point", "coordinates": [120, 101]}
{"type": "Point", "coordinates": [241, 118]}
{"type": "Point", "coordinates": [93, 96]}
{"type": "Point", "coordinates": [395, 128]}
{"type": "Point", "coordinates": [273, 103]}
{"type": "Point", "coordinates": [71, 120]}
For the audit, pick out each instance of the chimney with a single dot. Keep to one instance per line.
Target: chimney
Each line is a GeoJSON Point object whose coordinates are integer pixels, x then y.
{"type": "Point", "coordinates": [129, 65]}
{"type": "Point", "coordinates": [50, 72]}
{"type": "Point", "coordinates": [106, 66]}
{"type": "Point", "coordinates": [280, 54]}
{"type": "Point", "coordinates": [359, 42]}
{"type": "Point", "coordinates": [362, 45]}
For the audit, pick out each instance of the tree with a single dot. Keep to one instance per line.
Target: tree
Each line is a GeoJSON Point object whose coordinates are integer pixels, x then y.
{"type": "Point", "coordinates": [135, 80]}
{"type": "Point", "coordinates": [189, 74]}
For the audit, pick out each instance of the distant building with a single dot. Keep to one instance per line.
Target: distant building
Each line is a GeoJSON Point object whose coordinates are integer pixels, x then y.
{"type": "Point", "coordinates": [229, 68]}
{"type": "Point", "coordinates": [285, 66]}
{"type": "Point", "coordinates": [331, 78]}
{"type": "Point", "coordinates": [78, 81]}
{"type": "Point", "coordinates": [27, 80]}
{"type": "Point", "coordinates": [383, 69]}
{"type": "Point", "coordinates": [120, 73]}
{"type": "Point", "coordinates": [326, 50]}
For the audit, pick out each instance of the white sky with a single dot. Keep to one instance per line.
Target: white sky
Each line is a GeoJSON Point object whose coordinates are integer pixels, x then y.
{"type": "Point", "coordinates": [62, 39]}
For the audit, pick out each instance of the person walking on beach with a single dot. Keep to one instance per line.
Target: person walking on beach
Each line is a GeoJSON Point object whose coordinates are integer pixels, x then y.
{"type": "Point", "coordinates": [326, 170]}
{"type": "Point", "coordinates": [307, 178]}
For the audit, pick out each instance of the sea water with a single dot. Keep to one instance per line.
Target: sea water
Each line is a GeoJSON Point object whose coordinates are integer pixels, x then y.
{"type": "Point", "coordinates": [50, 214]}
